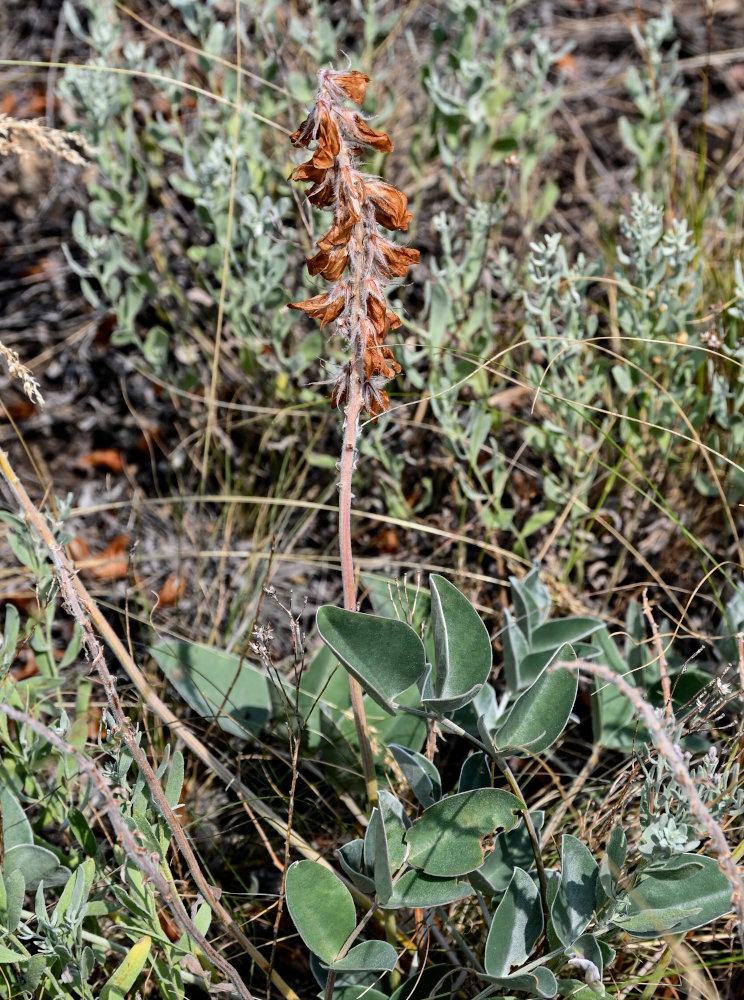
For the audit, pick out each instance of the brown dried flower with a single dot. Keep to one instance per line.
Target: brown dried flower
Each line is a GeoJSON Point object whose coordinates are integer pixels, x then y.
{"type": "Point", "coordinates": [358, 202]}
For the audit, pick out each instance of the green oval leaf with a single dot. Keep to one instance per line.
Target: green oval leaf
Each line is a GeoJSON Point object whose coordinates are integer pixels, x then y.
{"type": "Point", "coordinates": [515, 651]}
{"type": "Point", "coordinates": [419, 772]}
{"type": "Point", "coordinates": [611, 865]}
{"type": "Point", "coordinates": [531, 601]}
{"type": "Point", "coordinates": [8, 955]}
{"type": "Point", "coordinates": [515, 927]}
{"type": "Point", "coordinates": [14, 886]}
{"type": "Point", "coordinates": [575, 901]}
{"type": "Point", "coordinates": [558, 632]}
{"type": "Point", "coordinates": [384, 654]}
{"type": "Point", "coordinates": [217, 685]}
{"type": "Point", "coordinates": [462, 648]}
{"type": "Point", "coordinates": [369, 956]}
{"type": "Point", "coordinates": [657, 906]}
{"type": "Point", "coordinates": [37, 865]}
{"type": "Point", "coordinates": [351, 859]}
{"type": "Point", "coordinates": [321, 907]}
{"type": "Point", "coordinates": [16, 828]}
{"type": "Point", "coordinates": [415, 889]}
{"type": "Point", "coordinates": [446, 839]}
{"type": "Point", "coordinates": [512, 849]}
{"type": "Point", "coordinates": [539, 715]}
{"type": "Point", "coordinates": [358, 992]}
{"type": "Point", "coordinates": [539, 980]}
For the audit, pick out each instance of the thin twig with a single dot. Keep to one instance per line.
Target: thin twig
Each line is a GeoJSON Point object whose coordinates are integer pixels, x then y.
{"type": "Point", "coordinates": [661, 656]}
{"type": "Point", "coordinates": [673, 755]}
{"type": "Point", "coordinates": [146, 861]}
{"type": "Point", "coordinates": [80, 604]}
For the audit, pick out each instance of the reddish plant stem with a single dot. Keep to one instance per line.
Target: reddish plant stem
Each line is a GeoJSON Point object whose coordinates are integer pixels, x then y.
{"type": "Point", "coordinates": [352, 412]}
{"type": "Point", "coordinates": [346, 470]}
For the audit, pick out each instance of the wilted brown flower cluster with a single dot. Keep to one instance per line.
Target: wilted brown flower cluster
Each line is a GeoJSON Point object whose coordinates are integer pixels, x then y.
{"type": "Point", "coordinates": [353, 254]}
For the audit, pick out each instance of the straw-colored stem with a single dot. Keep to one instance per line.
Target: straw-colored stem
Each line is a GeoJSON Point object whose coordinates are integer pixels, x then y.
{"type": "Point", "coordinates": [673, 755]}
{"type": "Point", "coordinates": [85, 611]}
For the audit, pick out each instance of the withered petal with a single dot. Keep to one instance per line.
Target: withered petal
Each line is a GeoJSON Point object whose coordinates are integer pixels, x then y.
{"type": "Point", "coordinates": [329, 141]}
{"type": "Point", "coordinates": [326, 306]}
{"type": "Point", "coordinates": [314, 307]}
{"type": "Point", "coordinates": [335, 308]}
{"type": "Point", "coordinates": [323, 195]}
{"type": "Point", "coordinates": [316, 264]}
{"type": "Point", "coordinates": [376, 401]}
{"type": "Point", "coordinates": [390, 204]}
{"type": "Point", "coordinates": [329, 264]}
{"type": "Point", "coordinates": [308, 171]}
{"type": "Point", "coordinates": [377, 140]}
{"type": "Point", "coordinates": [376, 312]}
{"type": "Point", "coordinates": [379, 360]}
{"type": "Point", "coordinates": [338, 235]}
{"type": "Point", "coordinates": [397, 259]}
{"type": "Point", "coordinates": [353, 84]}
{"type": "Point", "coordinates": [305, 133]}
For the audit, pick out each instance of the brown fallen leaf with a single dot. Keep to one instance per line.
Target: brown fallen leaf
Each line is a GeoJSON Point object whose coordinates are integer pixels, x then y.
{"type": "Point", "coordinates": [510, 399]}
{"type": "Point", "coordinates": [26, 600]}
{"type": "Point", "coordinates": [78, 549]}
{"type": "Point", "coordinates": [169, 927]}
{"type": "Point", "coordinates": [568, 65]}
{"type": "Point", "coordinates": [172, 591]}
{"type": "Point", "coordinates": [19, 410]}
{"type": "Point", "coordinates": [26, 665]}
{"type": "Point", "coordinates": [111, 564]}
{"type": "Point", "coordinates": [93, 718]}
{"type": "Point", "coordinates": [102, 458]}
{"type": "Point", "coordinates": [386, 541]}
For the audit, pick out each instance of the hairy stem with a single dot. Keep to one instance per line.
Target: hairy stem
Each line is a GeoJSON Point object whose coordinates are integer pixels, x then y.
{"type": "Point", "coordinates": [346, 470]}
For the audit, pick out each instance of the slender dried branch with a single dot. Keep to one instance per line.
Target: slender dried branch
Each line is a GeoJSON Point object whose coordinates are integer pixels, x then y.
{"type": "Point", "coordinates": [673, 755]}
{"type": "Point", "coordinates": [79, 603]}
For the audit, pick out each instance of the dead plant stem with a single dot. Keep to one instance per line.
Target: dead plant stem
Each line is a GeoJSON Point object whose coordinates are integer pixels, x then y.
{"type": "Point", "coordinates": [84, 610]}
{"type": "Point", "coordinates": [673, 755]}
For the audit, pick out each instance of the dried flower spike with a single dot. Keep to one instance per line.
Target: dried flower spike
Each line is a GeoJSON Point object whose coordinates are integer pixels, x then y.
{"type": "Point", "coordinates": [353, 254]}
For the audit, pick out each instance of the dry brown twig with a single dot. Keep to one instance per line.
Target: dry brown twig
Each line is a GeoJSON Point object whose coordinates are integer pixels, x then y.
{"type": "Point", "coordinates": [673, 755]}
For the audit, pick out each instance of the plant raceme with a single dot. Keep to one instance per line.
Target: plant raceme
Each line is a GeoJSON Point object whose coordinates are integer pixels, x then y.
{"type": "Point", "coordinates": [358, 202]}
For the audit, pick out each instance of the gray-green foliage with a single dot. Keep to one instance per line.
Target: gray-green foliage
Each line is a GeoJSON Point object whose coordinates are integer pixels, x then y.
{"type": "Point", "coordinates": [637, 392]}
{"type": "Point", "coordinates": [657, 97]}
{"type": "Point", "coordinates": [77, 919]}
{"type": "Point", "coordinates": [669, 826]}
{"type": "Point", "coordinates": [546, 921]}
{"type": "Point", "coordinates": [138, 253]}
